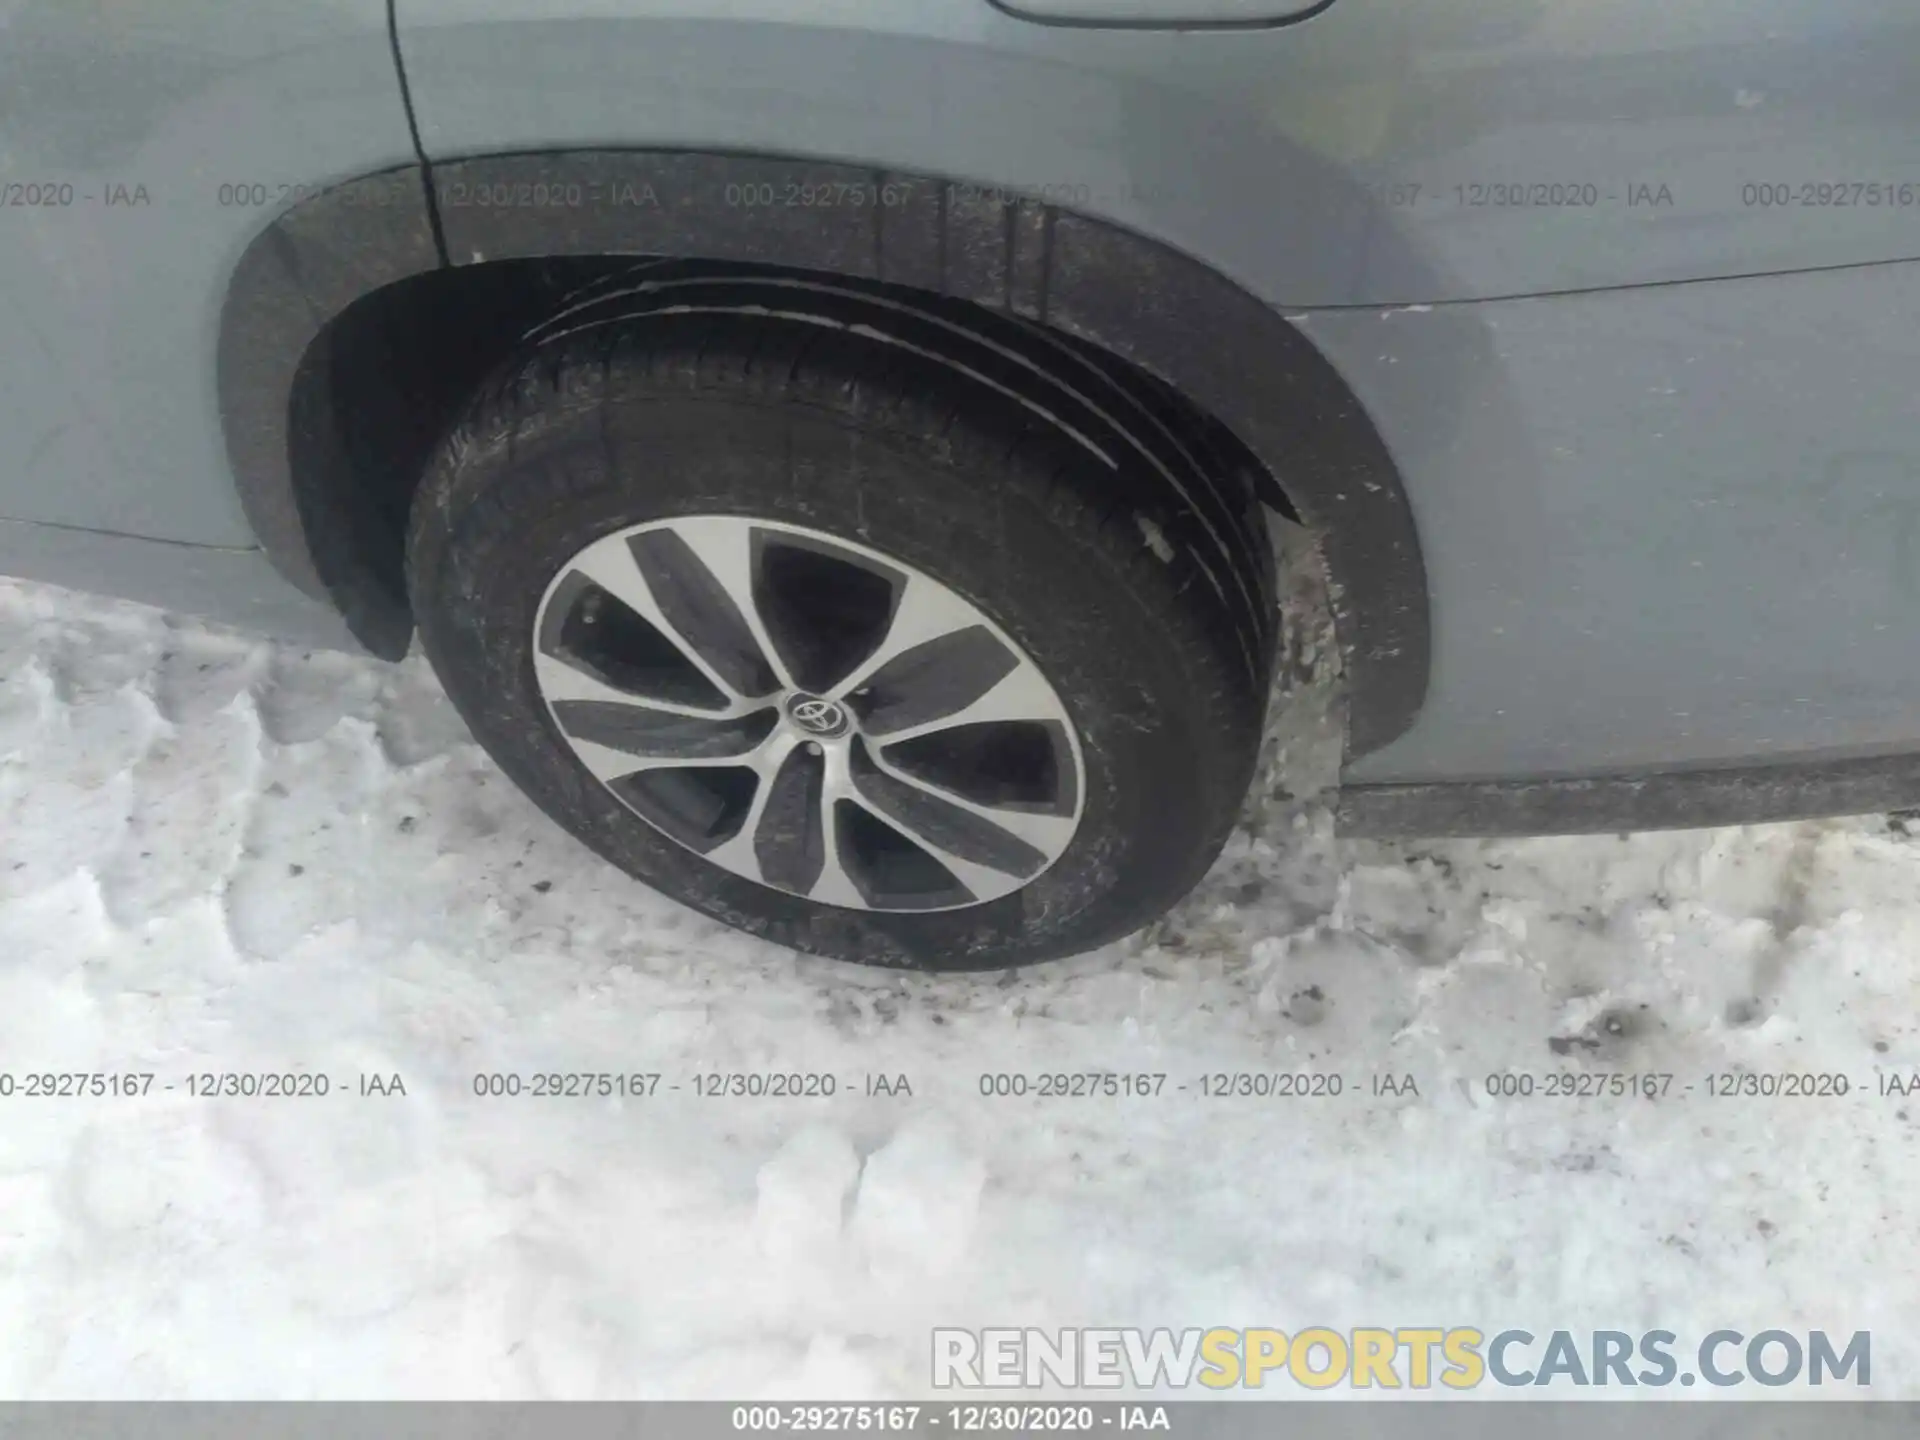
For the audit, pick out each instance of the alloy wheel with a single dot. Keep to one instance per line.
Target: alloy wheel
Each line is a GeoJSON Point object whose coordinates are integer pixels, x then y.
{"type": "Point", "coordinates": [808, 713]}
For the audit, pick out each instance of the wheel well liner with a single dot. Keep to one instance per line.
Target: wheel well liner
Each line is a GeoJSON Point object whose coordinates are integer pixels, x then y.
{"type": "Point", "coordinates": [318, 492]}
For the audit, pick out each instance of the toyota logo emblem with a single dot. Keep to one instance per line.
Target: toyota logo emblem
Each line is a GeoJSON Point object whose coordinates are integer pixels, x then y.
{"type": "Point", "coordinates": [817, 716]}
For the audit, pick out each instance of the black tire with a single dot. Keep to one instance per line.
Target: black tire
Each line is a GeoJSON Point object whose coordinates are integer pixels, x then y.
{"type": "Point", "coordinates": [1139, 590]}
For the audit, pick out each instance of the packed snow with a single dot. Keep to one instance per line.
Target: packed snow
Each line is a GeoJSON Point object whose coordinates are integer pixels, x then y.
{"type": "Point", "coordinates": [223, 856]}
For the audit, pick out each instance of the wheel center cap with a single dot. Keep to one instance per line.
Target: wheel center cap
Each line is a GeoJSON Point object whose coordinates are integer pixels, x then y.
{"type": "Point", "coordinates": [819, 716]}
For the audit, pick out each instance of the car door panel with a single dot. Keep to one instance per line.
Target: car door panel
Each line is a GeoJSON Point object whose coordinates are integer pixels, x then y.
{"type": "Point", "coordinates": [1664, 526]}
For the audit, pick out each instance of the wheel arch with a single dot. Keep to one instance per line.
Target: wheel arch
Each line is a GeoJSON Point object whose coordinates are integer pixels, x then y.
{"type": "Point", "coordinates": [399, 260]}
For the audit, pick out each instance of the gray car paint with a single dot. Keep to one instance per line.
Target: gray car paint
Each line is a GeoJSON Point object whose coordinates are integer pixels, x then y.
{"type": "Point", "coordinates": [237, 584]}
{"type": "Point", "coordinates": [109, 305]}
{"type": "Point", "coordinates": [1271, 153]}
{"type": "Point", "coordinates": [1663, 524]}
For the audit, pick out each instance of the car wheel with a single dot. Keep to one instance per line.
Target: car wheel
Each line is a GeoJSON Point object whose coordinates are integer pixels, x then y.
{"type": "Point", "coordinates": [876, 637]}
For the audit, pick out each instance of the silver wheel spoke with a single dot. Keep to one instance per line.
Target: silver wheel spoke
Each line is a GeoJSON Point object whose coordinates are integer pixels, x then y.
{"type": "Point", "coordinates": [982, 881]}
{"type": "Point", "coordinates": [725, 547]}
{"type": "Point", "coordinates": [609, 764]}
{"type": "Point", "coordinates": [923, 611]}
{"type": "Point", "coordinates": [1020, 695]}
{"type": "Point", "coordinates": [738, 853]}
{"type": "Point", "coordinates": [1045, 832]}
{"type": "Point", "coordinates": [985, 856]}
{"type": "Point", "coordinates": [835, 886]}
{"type": "Point", "coordinates": [562, 681]}
{"type": "Point", "coordinates": [609, 563]}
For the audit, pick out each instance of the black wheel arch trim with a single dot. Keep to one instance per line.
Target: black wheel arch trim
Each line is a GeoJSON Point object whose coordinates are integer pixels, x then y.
{"type": "Point", "coordinates": [1174, 316]}
{"type": "Point", "coordinates": [297, 276]}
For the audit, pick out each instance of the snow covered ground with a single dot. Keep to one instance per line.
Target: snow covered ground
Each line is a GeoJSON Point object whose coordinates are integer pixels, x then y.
{"type": "Point", "coordinates": [218, 855]}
